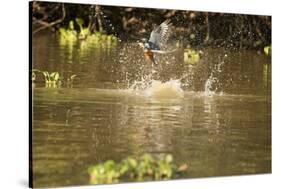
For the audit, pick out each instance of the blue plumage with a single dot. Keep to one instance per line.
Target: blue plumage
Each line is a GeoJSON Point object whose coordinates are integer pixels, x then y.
{"type": "Point", "coordinates": [157, 40]}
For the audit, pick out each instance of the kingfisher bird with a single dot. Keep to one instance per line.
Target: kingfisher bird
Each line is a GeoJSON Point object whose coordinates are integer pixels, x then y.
{"type": "Point", "coordinates": [158, 38]}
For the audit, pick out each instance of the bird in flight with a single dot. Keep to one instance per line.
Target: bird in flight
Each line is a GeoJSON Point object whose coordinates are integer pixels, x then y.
{"type": "Point", "coordinates": [157, 40]}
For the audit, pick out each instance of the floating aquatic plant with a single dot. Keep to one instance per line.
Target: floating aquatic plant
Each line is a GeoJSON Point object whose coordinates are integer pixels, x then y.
{"type": "Point", "coordinates": [192, 56]}
{"type": "Point", "coordinates": [267, 50]}
{"type": "Point", "coordinates": [52, 79]}
{"type": "Point", "coordinates": [69, 33]}
{"type": "Point", "coordinates": [145, 168]}
{"type": "Point", "coordinates": [33, 74]}
{"type": "Point", "coordinates": [69, 36]}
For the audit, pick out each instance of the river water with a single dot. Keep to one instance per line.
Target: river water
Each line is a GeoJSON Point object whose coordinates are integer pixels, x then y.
{"type": "Point", "coordinates": [214, 115]}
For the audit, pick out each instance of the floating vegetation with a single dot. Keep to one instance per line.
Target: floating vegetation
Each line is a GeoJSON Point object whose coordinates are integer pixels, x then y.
{"type": "Point", "coordinates": [146, 168]}
{"type": "Point", "coordinates": [192, 56]}
{"type": "Point", "coordinates": [33, 74]}
{"type": "Point", "coordinates": [52, 79]}
{"type": "Point", "coordinates": [70, 80]}
{"type": "Point", "coordinates": [267, 50]}
{"type": "Point", "coordinates": [70, 36]}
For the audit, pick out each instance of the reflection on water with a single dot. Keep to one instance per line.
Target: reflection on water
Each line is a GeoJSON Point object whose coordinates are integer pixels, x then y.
{"type": "Point", "coordinates": [215, 115]}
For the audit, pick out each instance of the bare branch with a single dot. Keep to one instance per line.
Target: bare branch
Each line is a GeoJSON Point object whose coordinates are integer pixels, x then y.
{"type": "Point", "coordinates": [47, 25]}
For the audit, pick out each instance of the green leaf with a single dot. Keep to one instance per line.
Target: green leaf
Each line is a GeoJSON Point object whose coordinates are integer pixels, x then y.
{"type": "Point", "coordinates": [63, 32]}
{"type": "Point", "coordinates": [45, 73]}
{"type": "Point", "coordinates": [56, 76]}
{"type": "Point", "coordinates": [169, 158]}
{"type": "Point", "coordinates": [191, 56]}
{"type": "Point", "coordinates": [52, 74]}
{"type": "Point", "coordinates": [33, 76]}
{"type": "Point", "coordinates": [142, 169]}
{"type": "Point", "coordinates": [73, 76]}
{"type": "Point", "coordinates": [132, 162]}
{"type": "Point", "coordinates": [47, 76]}
{"type": "Point", "coordinates": [71, 25]}
{"type": "Point", "coordinates": [79, 21]}
{"type": "Point", "coordinates": [108, 165]}
{"type": "Point", "coordinates": [267, 50]}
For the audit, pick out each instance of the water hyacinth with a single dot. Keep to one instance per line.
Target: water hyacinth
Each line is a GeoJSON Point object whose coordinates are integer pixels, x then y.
{"type": "Point", "coordinates": [145, 168]}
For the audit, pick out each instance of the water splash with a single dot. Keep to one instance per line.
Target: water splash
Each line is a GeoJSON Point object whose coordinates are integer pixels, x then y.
{"type": "Point", "coordinates": [156, 89]}
{"type": "Point", "coordinates": [208, 86]}
{"type": "Point", "coordinates": [169, 89]}
{"type": "Point", "coordinates": [213, 83]}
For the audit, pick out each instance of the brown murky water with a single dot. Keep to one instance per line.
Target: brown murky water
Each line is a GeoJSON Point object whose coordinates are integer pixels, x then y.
{"type": "Point", "coordinates": [215, 115]}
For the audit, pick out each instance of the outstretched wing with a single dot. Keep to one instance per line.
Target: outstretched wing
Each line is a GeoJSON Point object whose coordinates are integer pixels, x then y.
{"type": "Point", "coordinates": [160, 35]}
{"type": "Point", "coordinates": [164, 52]}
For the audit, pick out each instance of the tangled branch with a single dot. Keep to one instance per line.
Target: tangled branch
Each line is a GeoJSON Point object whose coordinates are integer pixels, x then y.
{"type": "Point", "coordinates": [47, 24]}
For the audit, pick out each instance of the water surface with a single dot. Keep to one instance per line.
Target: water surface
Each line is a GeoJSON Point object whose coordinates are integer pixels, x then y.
{"type": "Point", "coordinates": [214, 115]}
